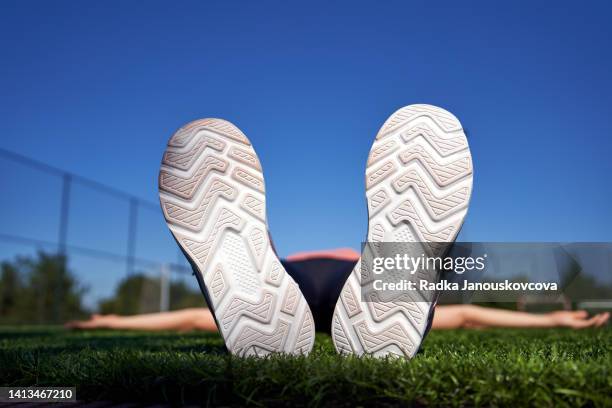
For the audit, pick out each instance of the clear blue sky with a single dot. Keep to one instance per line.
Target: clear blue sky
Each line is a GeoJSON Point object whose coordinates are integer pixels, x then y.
{"type": "Point", "coordinates": [98, 87]}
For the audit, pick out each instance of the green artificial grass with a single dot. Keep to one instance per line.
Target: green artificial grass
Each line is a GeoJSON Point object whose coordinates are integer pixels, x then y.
{"type": "Point", "coordinates": [454, 368]}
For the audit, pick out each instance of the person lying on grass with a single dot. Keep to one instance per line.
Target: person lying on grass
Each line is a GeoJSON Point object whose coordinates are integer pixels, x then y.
{"type": "Point", "coordinates": [321, 276]}
{"type": "Point", "coordinates": [446, 317]}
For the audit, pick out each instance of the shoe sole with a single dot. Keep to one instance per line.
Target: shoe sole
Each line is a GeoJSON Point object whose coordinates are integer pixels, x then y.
{"type": "Point", "coordinates": [212, 194]}
{"type": "Point", "coordinates": [418, 185]}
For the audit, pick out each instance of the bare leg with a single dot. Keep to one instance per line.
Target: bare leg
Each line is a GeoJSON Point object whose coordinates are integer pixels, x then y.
{"type": "Point", "coordinates": [470, 316]}
{"type": "Point", "coordinates": [186, 319]}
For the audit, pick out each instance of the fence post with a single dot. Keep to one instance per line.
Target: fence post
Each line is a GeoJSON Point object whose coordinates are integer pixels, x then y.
{"type": "Point", "coordinates": [62, 241]}
{"type": "Point", "coordinates": [164, 287]}
{"type": "Point", "coordinates": [64, 213]}
{"type": "Point", "coordinates": [131, 243]}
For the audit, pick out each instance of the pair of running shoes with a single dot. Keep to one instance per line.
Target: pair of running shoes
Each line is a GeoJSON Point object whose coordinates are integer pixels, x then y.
{"type": "Point", "coordinates": [211, 187]}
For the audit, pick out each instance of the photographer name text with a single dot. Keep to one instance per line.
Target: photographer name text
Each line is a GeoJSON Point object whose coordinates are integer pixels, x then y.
{"type": "Point", "coordinates": [445, 285]}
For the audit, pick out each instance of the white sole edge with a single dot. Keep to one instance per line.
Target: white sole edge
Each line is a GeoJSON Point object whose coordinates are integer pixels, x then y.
{"type": "Point", "coordinates": [418, 186]}
{"type": "Point", "coordinates": [212, 194]}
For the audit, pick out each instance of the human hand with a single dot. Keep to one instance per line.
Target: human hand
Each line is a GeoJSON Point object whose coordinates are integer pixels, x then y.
{"type": "Point", "coordinates": [578, 319]}
{"type": "Point", "coordinates": [96, 321]}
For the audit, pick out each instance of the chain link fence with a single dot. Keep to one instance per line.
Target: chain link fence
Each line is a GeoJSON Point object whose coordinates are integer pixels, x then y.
{"type": "Point", "coordinates": [106, 240]}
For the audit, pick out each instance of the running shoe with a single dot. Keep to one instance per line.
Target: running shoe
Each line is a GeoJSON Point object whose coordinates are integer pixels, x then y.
{"type": "Point", "coordinates": [418, 185]}
{"type": "Point", "coordinates": [212, 194]}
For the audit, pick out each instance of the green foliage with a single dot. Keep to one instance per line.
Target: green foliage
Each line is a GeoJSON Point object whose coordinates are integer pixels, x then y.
{"type": "Point", "coordinates": [141, 294]}
{"type": "Point", "coordinates": [39, 290]}
{"type": "Point", "coordinates": [584, 286]}
{"type": "Point", "coordinates": [501, 367]}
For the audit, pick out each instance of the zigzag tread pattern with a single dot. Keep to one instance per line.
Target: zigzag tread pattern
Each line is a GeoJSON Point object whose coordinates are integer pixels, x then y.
{"type": "Point", "coordinates": [245, 157]}
{"type": "Point", "coordinates": [275, 274]}
{"type": "Point", "coordinates": [194, 219]}
{"type": "Point", "coordinates": [291, 300]}
{"type": "Point", "coordinates": [443, 174]}
{"type": "Point", "coordinates": [377, 234]}
{"type": "Point", "coordinates": [378, 201]}
{"type": "Point", "coordinates": [185, 187]}
{"type": "Point", "coordinates": [254, 206]}
{"type": "Point", "coordinates": [305, 337]}
{"type": "Point", "coordinates": [444, 145]}
{"type": "Point", "coordinates": [341, 341]}
{"type": "Point", "coordinates": [382, 310]}
{"type": "Point", "coordinates": [201, 250]}
{"type": "Point", "coordinates": [248, 179]}
{"type": "Point", "coordinates": [212, 196]}
{"type": "Point", "coordinates": [252, 341]}
{"type": "Point", "coordinates": [438, 205]}
{"type": "Point", "coordinates": [445, 120]}
{"type": "Point", "coordinates": [381, 173]}
{"type": "Point", "coordinates": [222, 127]}
{"type": "Point", "coordinates": [381, 151]}
{"type": "Point", "coordinates": [418, 183]}
{"type": "Point", "coordinates": [259, 245]}
{"type": "Point", "coordinates": [350, 301]}
{"type": "Point", "coordinates": [373, 342]}
{"type": "Point", "coordinates": [218, 284]}
{"type": "Point", "coordinates": [238, 307]}
{"type": "Point", "coordinates": [184, 160]}
{"type": "Point", "coordinates": [406, 212]}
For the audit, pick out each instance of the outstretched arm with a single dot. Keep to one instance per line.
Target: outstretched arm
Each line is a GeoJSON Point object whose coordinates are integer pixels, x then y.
{"type": "Point", "coordinates": [446, 317]}
{"type": "Point", "coordinates": [182, 320]}
{"type": "Point", "coordinates": [471, 316]}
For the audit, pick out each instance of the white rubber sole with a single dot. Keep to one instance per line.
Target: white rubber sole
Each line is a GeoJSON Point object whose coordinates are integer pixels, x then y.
{"type": "Point", "coordinates": [418, 185]}
{"type": "Point", "coordinates": [212, 194]}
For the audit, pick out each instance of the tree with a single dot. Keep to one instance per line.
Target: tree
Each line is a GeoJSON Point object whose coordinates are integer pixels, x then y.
{"type": "Point", "coordinates": [11, 288]}
{"type": "Point", "coordinates": [141, 294]}
{"type": "Point", "coordinates": [40, 290]}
